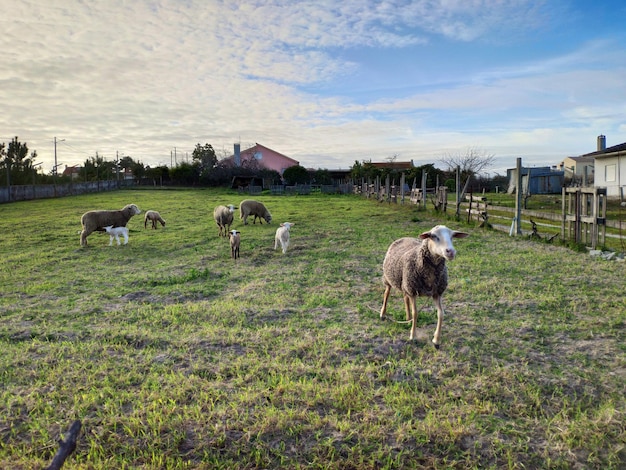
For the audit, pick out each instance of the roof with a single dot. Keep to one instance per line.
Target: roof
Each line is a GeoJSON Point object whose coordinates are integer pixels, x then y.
{"type": "Point", "coordinates": [607, 152]}
{"type": "Point", "coordinates": [394, 165]}
{"type": "Point", "coordinates": [582, 159]}
{"type": "Point", "coordinates": [258, 146]}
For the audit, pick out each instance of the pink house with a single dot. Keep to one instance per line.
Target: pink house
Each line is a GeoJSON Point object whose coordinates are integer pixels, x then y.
{"type": "Point", "coordinates": [260, 156]}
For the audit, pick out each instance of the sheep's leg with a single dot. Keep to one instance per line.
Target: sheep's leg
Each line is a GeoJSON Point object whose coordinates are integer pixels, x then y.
{"type": "Point", "coordinates": [439, 321]}
{"type": "Point", "coordinates": [414, 314]}
{"type": "Point", "coordinates": [407, 307]}
{"type": "Point", "coordinates": [125, 239]}
{"type": "Point", "coordinates": [117, 239]}
{"type": "Point", "coordinates": [111, 240]}
{"type": "Point", "coordinates": [383, 310]}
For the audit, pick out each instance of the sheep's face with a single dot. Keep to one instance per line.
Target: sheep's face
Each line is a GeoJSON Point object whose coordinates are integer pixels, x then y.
{"type": "Point", "coordinates": [268, 218]}
{"type": "Point", "coordinates": [108, 228]}
{"type": "Point", "coordinates": [134, 210]}
{"type": "Point", "coordinates": [439, 240]}
{"type": "Point", "coordinates": [287, 225]}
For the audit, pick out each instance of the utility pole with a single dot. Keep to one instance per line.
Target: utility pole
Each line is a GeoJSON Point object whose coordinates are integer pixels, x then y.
{"type": "Point", "coordinates": [54, 170]}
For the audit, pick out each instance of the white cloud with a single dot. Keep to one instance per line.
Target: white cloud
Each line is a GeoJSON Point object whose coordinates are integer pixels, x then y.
{"type": "Point", "coordinates": [144, 77]}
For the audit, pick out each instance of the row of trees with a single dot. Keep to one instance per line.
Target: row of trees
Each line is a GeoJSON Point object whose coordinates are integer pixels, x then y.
{"type": "Point", "coordinates": [205, 169]}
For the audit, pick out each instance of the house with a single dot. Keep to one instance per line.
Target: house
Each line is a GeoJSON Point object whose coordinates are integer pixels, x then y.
{"type": "Point", "coordinates": [260, 156]}
{"type": "Point", "coordinates": [579, 169]}
{"type": "Point", "coordinates": [72, 171]}
{"type": "Point", "coordinates": [610, 169]}
{"type": "Point", "coordinates": [540, 180]}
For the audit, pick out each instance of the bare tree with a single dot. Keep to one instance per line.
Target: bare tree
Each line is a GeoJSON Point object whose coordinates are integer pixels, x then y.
{"type": "Point", "coordinates": [470, 163]}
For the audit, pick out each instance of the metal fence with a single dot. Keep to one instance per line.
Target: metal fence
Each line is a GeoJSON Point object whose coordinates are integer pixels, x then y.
{"type": "Point", "coordinates": [44, 191]}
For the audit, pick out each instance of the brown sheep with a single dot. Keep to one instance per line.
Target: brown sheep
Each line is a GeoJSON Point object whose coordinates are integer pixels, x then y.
{"type": "Point", "coordinates": [417, 267]}
{"type": "Point", "coordinates": [93, 221]}
{"type": "Point", "coordinates": [154, 217]}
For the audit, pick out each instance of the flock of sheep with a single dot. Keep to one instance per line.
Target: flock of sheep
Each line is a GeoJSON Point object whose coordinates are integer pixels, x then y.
{"type": "Point", "coordinates": [113, 222]}
{"type": "Point", "coordinates": [414, 266]}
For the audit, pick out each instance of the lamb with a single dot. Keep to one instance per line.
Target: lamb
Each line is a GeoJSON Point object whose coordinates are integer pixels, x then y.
{"type": "Point", "coordinates": [115, 232]}
{"type": "Point", "coordinates": [417, 267]}
{"type": "Point", "coordinates": [224, 218]}
{"type": "Point", "coordinates": [93, 221]}
{"type": "Point", "coordinates": [250, 207]}
{"type": "Point", "coordinates": [154, 217]}
{"type": "Point", "coordinates": [235, 240]}
{"type": "Point", "coordinates": [282, 236]}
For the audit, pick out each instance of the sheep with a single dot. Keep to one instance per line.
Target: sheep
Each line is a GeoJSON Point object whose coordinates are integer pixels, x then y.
{"type": "Point", "coordinates": [115, 232]}
{"type": "Point", "coordinates": [282, 236]}
{"type": "Point", "coordinates": [235, 240]}
{"type": "Point", "coordinates": [93, 221]}
{"type": "Point", "coordinates": [154, 217]}
{"type": "Point", "coordinates": [257, 209]}
{"type": "Point", "coordinates": [417, 267]}
{"type": "Point", "coordinates": [224, 218]}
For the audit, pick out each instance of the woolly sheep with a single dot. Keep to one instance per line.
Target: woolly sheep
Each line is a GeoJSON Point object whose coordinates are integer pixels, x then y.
{"type": "Point", "coordinates": [282, 236]}
{"type": "Point", "coordinates": [115, 232]}
{"type": "Point", "coordinates": [417, 267]}
{"type": "Point", "coordinates": [154, 217]}
{"type": "Point", "coordinates": [93, 221]}
{"type": "Point", "coordinates": [255, 208]}
{"type": "Point", "coordinates": [235, 240]}
{"type": "Point", "coordinates": [224, 218]}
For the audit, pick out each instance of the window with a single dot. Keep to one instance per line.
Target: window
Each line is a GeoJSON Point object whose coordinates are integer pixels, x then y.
{"type": "Point", "coordinates": [258, 155]}
{"type": "Point", "coordinates": [609, 172]}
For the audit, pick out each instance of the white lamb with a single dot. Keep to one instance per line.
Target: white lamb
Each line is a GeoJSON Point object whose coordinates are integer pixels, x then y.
{"type": "Point", "coordinates": [115, 232]}
{"type": "Point", "coordinates": [282, 236]}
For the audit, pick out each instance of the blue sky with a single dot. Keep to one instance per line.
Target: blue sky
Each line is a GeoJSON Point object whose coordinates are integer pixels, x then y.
{"type": "Point", "coordinates": [324, 82]}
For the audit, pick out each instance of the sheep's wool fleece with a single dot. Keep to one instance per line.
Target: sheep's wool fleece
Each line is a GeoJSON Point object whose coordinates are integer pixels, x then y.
{"type": "Point", "coordinates": [410, 267]}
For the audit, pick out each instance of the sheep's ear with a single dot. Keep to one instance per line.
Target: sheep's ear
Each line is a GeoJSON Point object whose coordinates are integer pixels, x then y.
{"type": "Point", "coordinates": [456, 234]}
{"type": "Point", "coordinates": [425, 235]}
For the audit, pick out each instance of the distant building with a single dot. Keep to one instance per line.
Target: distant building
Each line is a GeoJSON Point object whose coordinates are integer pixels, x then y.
{"type": "Point", "coordinates": [262, 156]}
{"type": "Point", "coordinates": [394, 165]}
{"type": "Point", "coordinates": [541, 180]}
{"type": "Point", "coordinates": [72, 171]}
{"type": "Point", "coordinates": [579, 169]}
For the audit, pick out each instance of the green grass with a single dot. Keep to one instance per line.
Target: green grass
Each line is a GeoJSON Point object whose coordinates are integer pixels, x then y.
{"type": "Point", "coordinates": [175, 356]}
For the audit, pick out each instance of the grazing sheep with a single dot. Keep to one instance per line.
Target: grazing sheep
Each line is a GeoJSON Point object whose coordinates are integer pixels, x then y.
{"type": "Point", "coordinates": [115, 232]}
{"type": "Point", "coordinates": [224, 218]}
{"type": "Point", "coordinates": [235, 240]}
{"type": "Point", "coordinates": [417, 267]}
{"type": "Point", "coordinates": [93, 221]}
{"type": "Point", "coordinates": [154, 217]}
{"type": "Point", "coordinates": [282, 236]}
{"type": "Point", "coordinates": [254, 208]}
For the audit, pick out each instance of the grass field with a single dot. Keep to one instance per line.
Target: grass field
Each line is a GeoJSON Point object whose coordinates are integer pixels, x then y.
{"type": "Point", "coordinates": [174, 356]}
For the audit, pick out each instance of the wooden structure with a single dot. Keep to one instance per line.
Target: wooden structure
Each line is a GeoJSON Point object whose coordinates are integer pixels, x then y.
{"type": "Point", "coordinates": [477, 207]}
{"type": "Point", "coordinates": [584, 215]}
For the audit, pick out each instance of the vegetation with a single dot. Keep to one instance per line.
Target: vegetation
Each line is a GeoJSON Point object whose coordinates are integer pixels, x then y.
{"type": "Point", "coordinates": [175, 356]}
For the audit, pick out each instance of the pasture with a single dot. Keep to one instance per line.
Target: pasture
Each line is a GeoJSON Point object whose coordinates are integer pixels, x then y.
{"type": "Point", "coordinates": [175, 356]}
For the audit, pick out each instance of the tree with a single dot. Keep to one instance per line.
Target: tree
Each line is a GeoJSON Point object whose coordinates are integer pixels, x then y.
{"type": "Point", "coordinates": [296, 175]}
{"type": "Point", "coordinates": [205, 157]}
{"type": "Point", "coordinates": [469, 164]}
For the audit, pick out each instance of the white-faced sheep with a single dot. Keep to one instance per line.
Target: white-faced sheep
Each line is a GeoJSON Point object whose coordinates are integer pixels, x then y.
{"type": "Point", "coordinates": [282, 236]}
{"type": "Point", "coordinates": [250, 207]}
{"type": "Point", "coordinates": [93, 221]}
{"type": "Point", "coordinates": [153, 217]}
{"type": "Point", "coordinates": [224, 218]}
{"type": "Point", "coordinates": [417, 267]}
{"type": "Point", "coordinates": [115, 232]}
{"type": "Point", "coordinates": [235, 240]}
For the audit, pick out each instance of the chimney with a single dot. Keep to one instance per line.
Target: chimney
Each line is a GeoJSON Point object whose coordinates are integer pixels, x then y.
{"type": "Point", "coordinates": [237, 154]}
{"type": "Point", "coordinates": [601, 143]}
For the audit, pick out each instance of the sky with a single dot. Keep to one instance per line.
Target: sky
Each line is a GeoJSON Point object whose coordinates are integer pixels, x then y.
{"type": "Point", "coordinates": [325, 82]}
